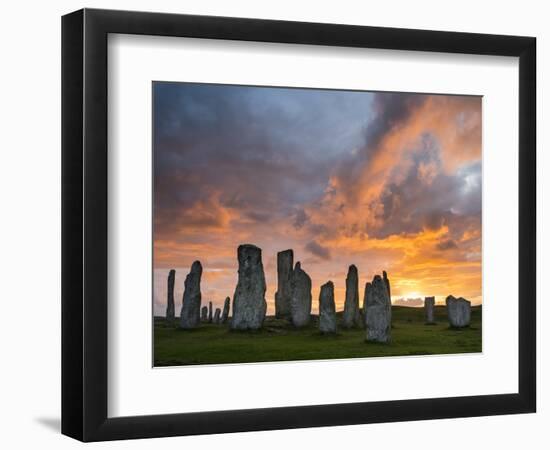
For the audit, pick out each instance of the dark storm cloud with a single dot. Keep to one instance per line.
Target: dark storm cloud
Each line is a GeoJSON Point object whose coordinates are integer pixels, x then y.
{"type": "Point", "coordinates": [428, 198]}
{"type": "Point", "coordinates": [318, 250]}
{"type": "Point", "coordinates": [262, 152]}
{"type": "Point", "coordinates": [258, 216]}
{"type": "Point", "coordinates": [300, 219]}
{"type": "Point", "coordinates": [446, 244]}
{"type": "Point", "coordinates": [391, 110]}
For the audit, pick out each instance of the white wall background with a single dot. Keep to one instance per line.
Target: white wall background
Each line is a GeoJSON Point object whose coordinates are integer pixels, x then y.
{"type": "Point", "coordinates": [30, 225]}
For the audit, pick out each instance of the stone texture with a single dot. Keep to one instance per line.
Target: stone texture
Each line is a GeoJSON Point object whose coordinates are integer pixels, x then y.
{"type": "Point", "coordinates": [217, 315]}
{"type": "Point", "coordinates": [300, 297]}
{"type": "Point", "coordinates": [327, 309]}
{"type": "Point", "coordinates": [386, 282]}
{"type": "Point", "coordinates": [364, 308]}
{"type": "Point", "coordinates": [285, 260]}
{"type": "Point", "coordinates": [191, 305]}
{"type": "Point", "coordinates": [458, 311]}
{"type": "Point", "coordinates": [170, 308]}
{"type": "Point", "coordinates": [210, 312]}
{"type": "Point", "coordinates": [249, 305]}
{"type": "Point", "coordinates": [429, 308]}
{"type": "Point", "coordinates": [225, 313]}
{"type": "Point", "coordinates": [352, 316]}
{"type": "Point", "coordinates": [378, 311]}
{"type": "Point", "coordinates": [204, 314]}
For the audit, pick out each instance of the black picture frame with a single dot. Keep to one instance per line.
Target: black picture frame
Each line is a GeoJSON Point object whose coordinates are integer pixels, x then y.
{"type": "Point", "coordinates": [84, 224]}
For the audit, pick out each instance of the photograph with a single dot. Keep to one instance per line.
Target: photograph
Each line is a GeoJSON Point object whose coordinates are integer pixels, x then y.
{"type": "Point", "coordinates": [297, 223]}
{"type": "Point", "coordinates": [275, 225]}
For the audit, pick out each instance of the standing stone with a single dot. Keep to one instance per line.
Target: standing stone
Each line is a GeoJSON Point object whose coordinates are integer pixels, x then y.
{"type": "Point", "coordinates": [327, 309]}
{"type": "Point", "coordinates": [225, 313]}
{"type": "Point", "coordinates": [210, 312]}
{"type": "Point", "coordinates": [458, 311]}
{"type": "Point", "coordinates": [429, 305]}
{"type": "Point", "coordinates": [300, 298]}
{"type": "Point", "coordinates": [364, 309]}
{"type": "Point", "coordinates": [191, 305]}
{"type": "Point", "coordinates": [217, 315]}
{"type": "Point", "coordinates": [352, 316]}
{"type": "Point", "coordinates": [387, 282]}
{"type": "Point", "coordinates": [249, 305]}
{"type": "Point", "coordinates": [170, 308]}
{"type": "Point", "coordinates": [285, 260]}
{"type": "Point", "coordinates": [378, 311]}
{"type": "Point", "coordinates": [204, 314]}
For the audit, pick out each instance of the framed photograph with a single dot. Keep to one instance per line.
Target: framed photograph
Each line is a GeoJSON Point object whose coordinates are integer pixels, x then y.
{"type": "Point", "coordinates": [273, 224]}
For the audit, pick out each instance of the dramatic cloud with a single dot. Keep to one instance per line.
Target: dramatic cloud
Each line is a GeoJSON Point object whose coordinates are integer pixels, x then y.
{"type": "Point", "coordinates": [446, 244]}
{"type": "Point", "coordinates": [381, 180]}
{"type": "Point", "coordinates": [413, 201]}
{"type": "Point", "coordinates": [318, 250]}
{"type": "Point", "coordinates": [300, 219]}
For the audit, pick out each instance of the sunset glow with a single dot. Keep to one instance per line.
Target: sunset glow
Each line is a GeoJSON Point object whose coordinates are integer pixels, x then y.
{"type": "Point", "coordinates": [385, 181]}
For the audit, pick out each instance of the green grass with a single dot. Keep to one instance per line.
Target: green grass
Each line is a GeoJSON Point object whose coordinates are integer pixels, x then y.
{"type": "Point", "coordinates": [278, 341]}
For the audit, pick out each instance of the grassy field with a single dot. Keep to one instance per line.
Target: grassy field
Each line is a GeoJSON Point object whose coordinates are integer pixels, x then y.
{"type": "Point", "coordinates": [278, 341]}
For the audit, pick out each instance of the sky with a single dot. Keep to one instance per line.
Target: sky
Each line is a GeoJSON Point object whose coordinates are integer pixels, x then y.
{"type": "Point", "coordinates": [385, 181]}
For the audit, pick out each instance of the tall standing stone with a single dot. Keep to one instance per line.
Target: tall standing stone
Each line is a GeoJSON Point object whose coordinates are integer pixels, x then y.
{"type": "Point", "coordinates": [217, 315]}
{"type": "Point", "coordinates": [459, 311]}
{"type": "Point", "coordinates": [225, 313]}
{"type": "Point", "coordinates": [327, 309]}
{"type": "Point", "coordinates": [300, 298]}
{"type": "Point", "coordinates": [429, 306]}
{"type": "Point", "coordinates": [249, 305]}
{"type": "Point", "coordinates": [378, 310]}
{"type": "Point", "coordinates": [387, 282]}
{"type": "Point", "coordinates": [170, 308]}
{"type": "Point", "coordinates": [285, 261]}
{"type": "Point", "coordinates": [204, 314]}
{"type": "Point", "coordinates": [210, 312]}
{"type": "Point", "coordinates": [364, 309]}
{"type": "Point", "coordinates": [352, 316]}
{"type": "Point", "coordinates": [191, 305]}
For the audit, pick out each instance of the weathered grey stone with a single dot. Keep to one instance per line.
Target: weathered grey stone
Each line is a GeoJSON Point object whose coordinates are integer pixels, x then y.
{"type": "Point", "coordinates": [327, 309]}
{"type": "Point", "coordinates": [191, 305]}
{"type": "Point", "coordinates": [429, 306]}
{"type": "Point", "coordinates": [364, 308]}
{"type": "Point", "coordinates": [170, 308]}
{"type": "Point", "coordinates": [458, 311]}
{"type": "Point", "coordinates": [387, 282]}
{"type": "Point", "coordinates": [204, 314]}
{"type": "Point", "coordinates": [352, 316]}
{"type": "Point", "coordinates": [210, 312]}
{"type": "Point", "coordinates": [300, 297]}
{"type": "Point", "coordinates": [285, 261]}
{"type": "Point", "coordinates": [378, 310]}
{"type": "Point", "coordinates": [249, 305]}
{"type": "Point", "coordinates": [225, 313]}
{"type": "Point", "coordinates": [217, 315]}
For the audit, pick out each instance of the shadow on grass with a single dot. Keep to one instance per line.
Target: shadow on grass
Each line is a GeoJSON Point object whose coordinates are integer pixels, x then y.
{"type": "Point", "coordinates": [188, 330]}
{"type": "Point", "coordinates": [377, 343]}
{"type": "Point", "coordinates": [466, 328]}
{"type": "Point", "coordinates": [322, 335]}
